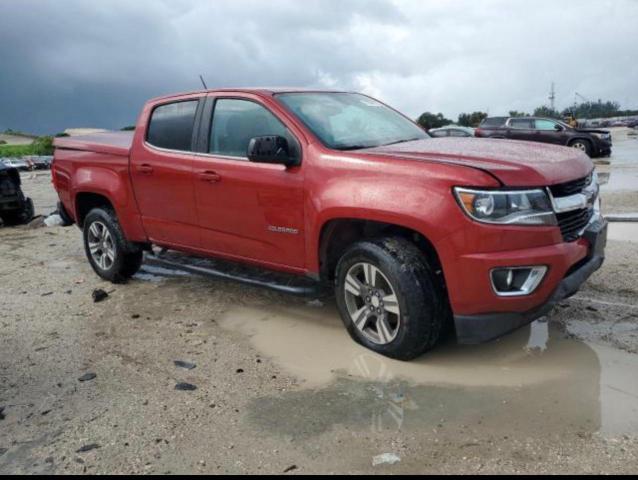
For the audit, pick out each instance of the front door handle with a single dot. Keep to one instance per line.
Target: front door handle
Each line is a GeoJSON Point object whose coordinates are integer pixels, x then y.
{"type": "Point", "coordinates": [210, 177]}
{"type": "Point", "coordinates": [145, 168]}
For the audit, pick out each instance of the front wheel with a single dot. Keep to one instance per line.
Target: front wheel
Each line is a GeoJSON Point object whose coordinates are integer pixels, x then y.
{"type": "Point", "coordinates": [583, 146]}
{"type": "Point", "coordinates": [111, 256]}
{"type": "Point", "coordinates": [389, 299]}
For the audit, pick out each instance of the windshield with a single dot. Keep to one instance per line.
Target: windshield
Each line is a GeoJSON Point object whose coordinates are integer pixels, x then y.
{"type": "Point", "coordinates": [349, 121]}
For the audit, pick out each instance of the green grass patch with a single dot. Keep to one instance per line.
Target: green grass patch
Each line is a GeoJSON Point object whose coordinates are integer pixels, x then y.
{"type": "Point", "coordinates": [41, 146]}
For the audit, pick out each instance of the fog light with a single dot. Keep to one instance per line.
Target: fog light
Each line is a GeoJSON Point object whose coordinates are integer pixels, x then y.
{"type": "Point", "coordinates": [517, 281]}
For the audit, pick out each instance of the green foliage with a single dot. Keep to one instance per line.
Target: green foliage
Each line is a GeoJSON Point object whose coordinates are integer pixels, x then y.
{"type": "Point", "coordinates": [430, 120]}
{"type": "Point", "coordinates": [514, 113]}
{"type": "Point", "coordinates": [41, 146]}
{"type": "Point", "coordinates": [471, 119]}
{"type": "Point", "coordinates": [547, 112]}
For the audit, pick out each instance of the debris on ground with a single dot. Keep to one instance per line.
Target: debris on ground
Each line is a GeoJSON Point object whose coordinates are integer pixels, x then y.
{"type": "Point", "coordinates": [385, 459]}
{"type": "Point", "coordinates": [291, 468]}
{"type": "Point", "coordinates": [184, 365]}
{"type": "Point", "coordinates": [87, 377]}
{"type": "Point", "coordinates": [37, 222]}
{"type": "Point", "coordinates": [315, 303]}
{"type": "Point", "coordinates": [88, 448]}
{"type": "Point", "coordinates": [2, 416]}
{"type": "Point", "coordinates": [99, 295]}
{"type": "Point", "coordinates": [185, 387]}
{"type": "Point", "coordinates": [54, 220]}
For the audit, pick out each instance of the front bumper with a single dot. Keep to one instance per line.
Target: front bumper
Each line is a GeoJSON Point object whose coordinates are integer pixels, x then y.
{"type": "Point", "coordinates": [474, 329]}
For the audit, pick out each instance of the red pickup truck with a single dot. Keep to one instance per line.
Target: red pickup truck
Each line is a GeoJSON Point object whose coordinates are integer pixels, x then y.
{"type": "Point", "coordinates": [334, 188]}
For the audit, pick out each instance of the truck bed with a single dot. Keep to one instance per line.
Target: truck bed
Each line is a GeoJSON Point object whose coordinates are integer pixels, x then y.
{"type": "Point", "coordinates": [112, 143]}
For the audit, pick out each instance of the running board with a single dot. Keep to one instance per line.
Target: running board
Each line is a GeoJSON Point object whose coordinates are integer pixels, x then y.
{"type": "Point", "coordinates": [220, 269]}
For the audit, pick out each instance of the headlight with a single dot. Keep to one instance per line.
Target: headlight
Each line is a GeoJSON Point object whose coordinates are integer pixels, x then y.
{"type": "Point", "coordinates": [514, 207]}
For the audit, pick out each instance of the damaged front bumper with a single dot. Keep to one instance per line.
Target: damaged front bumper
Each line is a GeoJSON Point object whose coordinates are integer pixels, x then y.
{"type": "Point", "coordinates": [475, 329]}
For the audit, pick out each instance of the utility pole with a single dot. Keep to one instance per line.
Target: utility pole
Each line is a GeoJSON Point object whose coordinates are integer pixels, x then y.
{"type": "Point", "coordinates": [552, 97]}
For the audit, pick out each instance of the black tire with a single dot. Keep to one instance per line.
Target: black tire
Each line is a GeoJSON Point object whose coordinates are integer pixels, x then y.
{"type": "Point", "coordinates": [421, 299]}
{"type": "Point", "coordinates": [127, 258]}
{"type": "Point", "coordinates": [583, 145]}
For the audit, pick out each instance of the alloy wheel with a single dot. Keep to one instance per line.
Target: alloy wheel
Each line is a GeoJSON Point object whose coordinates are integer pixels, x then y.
{"type": "Point", "coordinates": [372, 303]}
{"type": "Point", "coordinates": [101, 245]}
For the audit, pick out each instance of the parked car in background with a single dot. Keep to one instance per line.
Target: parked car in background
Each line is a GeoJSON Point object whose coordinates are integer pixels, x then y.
{"type": "Point", "coordinates": [451, 131]}
{"type": "Point", "coordinates": [16, 163]}
{"type": "Point", "coordinates": [15, 207]}
{"type": "Point", "coordinates": [595, 143]}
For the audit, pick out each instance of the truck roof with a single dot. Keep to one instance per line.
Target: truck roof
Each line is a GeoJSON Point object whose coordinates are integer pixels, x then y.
{"type": "Point", "coordinates": [263, 91]}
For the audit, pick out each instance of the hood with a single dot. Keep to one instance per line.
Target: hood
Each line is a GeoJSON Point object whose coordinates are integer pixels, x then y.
{"type": "Point", "coordinates": [514, 163]}
{"type": "Point", "coordinates": [592, 130]}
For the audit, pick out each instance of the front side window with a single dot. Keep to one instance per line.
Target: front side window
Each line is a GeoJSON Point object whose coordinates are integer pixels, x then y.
{"type": "Point", "coordinates": [171, 126]}
{"type": "Point", "coordinates": [545, 125]}
{"type": "Point", "coordinates": [236, 122]}
{"type": "Point", "coordinates": [349, 121]}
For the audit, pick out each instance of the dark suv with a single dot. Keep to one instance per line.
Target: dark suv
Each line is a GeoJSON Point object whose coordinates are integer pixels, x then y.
{"type": "Point", "coordinates": [596, 143]}
{"type": "Point", "coordinates": [15, 207]}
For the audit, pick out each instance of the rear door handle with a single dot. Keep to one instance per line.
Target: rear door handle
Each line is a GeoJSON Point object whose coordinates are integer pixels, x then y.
{"type": "Point", "coordinates": [210, 177]}
{"type": "Point", "coordinates": [145, 169]}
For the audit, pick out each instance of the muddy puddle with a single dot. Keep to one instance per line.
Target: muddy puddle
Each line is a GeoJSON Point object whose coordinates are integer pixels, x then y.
{"type": "Point", "coordinates": [535, 381]}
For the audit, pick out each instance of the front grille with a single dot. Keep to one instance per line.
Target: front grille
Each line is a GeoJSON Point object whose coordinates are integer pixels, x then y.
{"type": "Point", "coordinates": [572, 223]}
{"type": "Point", "coordinates": [570, 188]}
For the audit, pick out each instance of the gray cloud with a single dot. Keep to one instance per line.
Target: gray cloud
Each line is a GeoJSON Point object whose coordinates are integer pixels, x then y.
{"type": "Point", "coordinates": [72, 63]}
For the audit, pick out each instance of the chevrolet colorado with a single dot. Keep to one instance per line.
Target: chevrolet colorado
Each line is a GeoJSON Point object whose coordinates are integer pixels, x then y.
{"type": "Point", "coordinates": [334, 188]}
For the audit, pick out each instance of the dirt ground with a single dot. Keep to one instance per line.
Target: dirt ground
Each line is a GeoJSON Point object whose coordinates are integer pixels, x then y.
{"type": "Point", "coordinates": [281, 388]}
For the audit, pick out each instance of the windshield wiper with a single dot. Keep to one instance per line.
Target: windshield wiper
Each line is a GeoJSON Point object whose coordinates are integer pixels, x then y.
{"type": "Point", "coordinates": [401, 141]}
{"type": "Point", "coordinates": [353, 147]}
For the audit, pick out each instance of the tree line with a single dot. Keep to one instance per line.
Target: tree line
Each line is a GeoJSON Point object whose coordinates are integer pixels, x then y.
{"type": "Point", "coordinates": [598, 109]}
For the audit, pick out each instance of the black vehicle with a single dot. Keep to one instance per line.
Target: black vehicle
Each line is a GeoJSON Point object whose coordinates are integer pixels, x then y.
{"type": "Point", "coordinates": [15, 207]}
{"type": "Point", "coordinates": [595, 143]}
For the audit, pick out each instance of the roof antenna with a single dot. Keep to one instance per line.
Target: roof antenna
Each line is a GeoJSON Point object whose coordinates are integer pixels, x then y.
{"type": "Point", "coordinates": [201, 77]}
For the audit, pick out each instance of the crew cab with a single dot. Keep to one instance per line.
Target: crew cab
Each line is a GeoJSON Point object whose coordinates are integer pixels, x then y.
{"type": "Point", "coordinates": [305, 188]}
{"type": "Point", "coordinates": [595, 143]}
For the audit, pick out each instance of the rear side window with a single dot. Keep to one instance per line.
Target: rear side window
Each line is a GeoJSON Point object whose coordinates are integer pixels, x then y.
{"type": "Point", "coordinates": [493, 122]}
{"type": "Point", "coordinates": [439, 133]}
{"type": "Point", "coordinates": [522, 123]}
{"type": "Point", "coordinates": [171, 126]}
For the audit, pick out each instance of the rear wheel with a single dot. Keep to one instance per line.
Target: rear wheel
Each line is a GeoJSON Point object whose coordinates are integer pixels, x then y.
{"type": "Point", "coordinates": [583, 146]}
{"type": "Point", "coordinates": [389, 299]}
{"type": "Point", "coordinates": [111, 256]}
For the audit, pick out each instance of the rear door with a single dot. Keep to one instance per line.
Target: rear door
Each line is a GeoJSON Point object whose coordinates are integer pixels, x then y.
{"type": "Point", "coordinates": [162, 174]}
{"type": "Point", "coordinates": [248, 210]}
{"type": "Point", "coordinates": [521, 129]}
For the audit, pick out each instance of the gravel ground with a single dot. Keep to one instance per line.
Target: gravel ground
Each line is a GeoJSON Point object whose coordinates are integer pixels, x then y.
{"type": "Point", "coordinates": [280, 386]}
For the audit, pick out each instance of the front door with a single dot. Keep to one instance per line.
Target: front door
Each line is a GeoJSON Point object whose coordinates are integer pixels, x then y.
{"type": "Point", "coordinates": [248, 210]}
{"type": "Point", "coordinates": [548, 131]}
{"type": "Point", "coordinates": [162, 176]}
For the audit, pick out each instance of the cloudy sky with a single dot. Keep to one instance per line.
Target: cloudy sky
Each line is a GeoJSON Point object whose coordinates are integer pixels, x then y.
{"type": "Point", "coordinates": [93, 63]}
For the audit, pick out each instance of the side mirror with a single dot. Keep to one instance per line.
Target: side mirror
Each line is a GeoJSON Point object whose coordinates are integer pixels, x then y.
{"type": "Point", "coordinates": [271, 149]}
{"type": "Point", "coordinates": [558, 128]}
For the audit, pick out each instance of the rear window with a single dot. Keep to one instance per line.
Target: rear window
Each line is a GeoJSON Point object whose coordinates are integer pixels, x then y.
{"type": "Point", "coordinates": [493, 122]}
{"type": "Point", "coordinates": [171, 126]}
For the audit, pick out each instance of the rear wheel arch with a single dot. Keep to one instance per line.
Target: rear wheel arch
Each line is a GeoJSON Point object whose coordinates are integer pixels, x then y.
{"type": "Point", "coordinates": [87, 201]}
